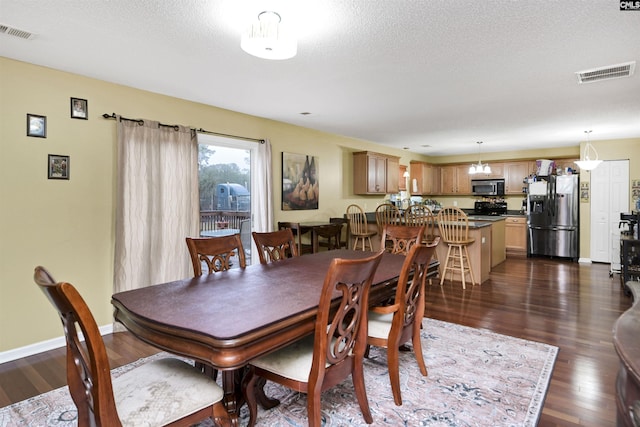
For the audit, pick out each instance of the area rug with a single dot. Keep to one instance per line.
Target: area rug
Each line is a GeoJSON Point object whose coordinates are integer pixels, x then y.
{"type": "Point", "coordinates": [476, 378]}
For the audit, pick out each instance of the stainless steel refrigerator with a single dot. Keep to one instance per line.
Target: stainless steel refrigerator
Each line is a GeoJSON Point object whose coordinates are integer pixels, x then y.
{"type": "Point", "coordinates": [553, 206]}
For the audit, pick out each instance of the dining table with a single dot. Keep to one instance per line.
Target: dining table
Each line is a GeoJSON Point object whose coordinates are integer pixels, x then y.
{"type": "Point", "coordinates": [228, 318]}
{"type": "Point", "coordinates": [219, 232]}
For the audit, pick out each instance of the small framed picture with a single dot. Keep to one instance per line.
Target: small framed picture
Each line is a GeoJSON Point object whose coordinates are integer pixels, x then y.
{"type": "Point", "coordinates": [36, 126]}
{"type": "Point", "coordinates": [79, 109]}
{"type": "Point", "coordinates": [58, 167]}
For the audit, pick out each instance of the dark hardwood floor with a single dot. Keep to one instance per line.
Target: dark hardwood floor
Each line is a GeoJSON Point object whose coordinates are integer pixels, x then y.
{"type": "Point", "coordinates": [569, 305]}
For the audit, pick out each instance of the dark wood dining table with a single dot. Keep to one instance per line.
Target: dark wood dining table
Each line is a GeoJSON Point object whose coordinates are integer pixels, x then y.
{"type": "Point", "coordinates": [228, 318]}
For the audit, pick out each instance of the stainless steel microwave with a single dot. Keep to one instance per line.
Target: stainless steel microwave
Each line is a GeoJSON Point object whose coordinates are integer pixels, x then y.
{"type": "Point", "coordinates": [487, 187]}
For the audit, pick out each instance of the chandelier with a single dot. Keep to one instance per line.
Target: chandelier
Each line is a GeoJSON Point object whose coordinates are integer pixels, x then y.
{"type": "Point", "coordinates": [586, 163]}
{"type": "Point", "coordinates": [479, 168]}
{"type": "Point", "coordinates": [267, 38]}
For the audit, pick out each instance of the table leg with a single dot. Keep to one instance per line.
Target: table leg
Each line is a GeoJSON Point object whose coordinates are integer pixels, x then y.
{"type": "Point", "coordinates": [314, 241]}
{"type": "Point", "coordinates": [231, 392]}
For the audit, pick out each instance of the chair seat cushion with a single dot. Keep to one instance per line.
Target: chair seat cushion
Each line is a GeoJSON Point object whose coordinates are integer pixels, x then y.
{"type": "Point", "coordinates": [293, 361]}
{"type": "Point", "coordinates": [379, 324]}
{"type": "Point", "coordinates": [162, 391]}
{"type": "Point", "coordinates": [460, 242]}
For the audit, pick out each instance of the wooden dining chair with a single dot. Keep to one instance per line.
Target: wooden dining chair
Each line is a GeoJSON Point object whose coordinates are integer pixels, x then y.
{"type": "Point", "coordinates": [392, 325]}
{"type": "Point", "coordinates": [161, 392]}
{"type": "Point", "coordinates": [453, 224]}
{"type": "Point", "coordinates": [344, 242]}
{"type": "Point", "coordinates": [423, 215]}
{"type": "Point", "coordinates": [399, 239]}
{"type": "Point", "coordinates": [329, 236]}
{"type": "Point", "coordinates": [303, 248]}
{"type": "Point", "coordinates": [359, 227]}
{"type": "Point", "coordinates": [334, 351]}
{"type": "Point", "coordinates": [387, 213]}
{"type": "Point", "coordinates": [215, 252]}
{"type": "Point", "coordinates": [275, 245]}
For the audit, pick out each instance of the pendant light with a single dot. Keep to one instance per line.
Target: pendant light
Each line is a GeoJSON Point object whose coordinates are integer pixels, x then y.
{"type": "Point", "coordinates": [479, 168]}
{"type": "Point", "coordinates": [586, 163]}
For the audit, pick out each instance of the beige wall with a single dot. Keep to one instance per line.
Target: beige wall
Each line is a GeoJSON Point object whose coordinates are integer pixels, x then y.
{"type": "Point", "coordinates": [68, 226]}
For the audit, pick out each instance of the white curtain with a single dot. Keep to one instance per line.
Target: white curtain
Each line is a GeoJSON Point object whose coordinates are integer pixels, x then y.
{"type": "Point", "coordinates": [263, 203]}
{"type": "Point", "coordinates": [157, 203]}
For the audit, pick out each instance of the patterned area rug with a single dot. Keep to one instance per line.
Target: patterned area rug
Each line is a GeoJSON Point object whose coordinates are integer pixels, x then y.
{"type": "Point", "coordinates": [476, 378]}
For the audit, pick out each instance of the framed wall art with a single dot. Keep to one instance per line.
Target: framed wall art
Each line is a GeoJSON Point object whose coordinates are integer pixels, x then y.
{"type": "Point", "coordinates": [36, 126]}
{"type": "Point", "coordinates": [300, 182]}
{"type": "Point", "coordinates": [58, 167]}
{"type": "Point", "coordinates": [79, 109]}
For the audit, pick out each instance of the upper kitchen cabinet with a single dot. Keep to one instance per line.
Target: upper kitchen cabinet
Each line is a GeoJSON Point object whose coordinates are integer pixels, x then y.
{"type": "Point", "coordinates": [425, 179]}
{"type": "Point", "coordinates": [514, 175]}
{"type": "Point", "coordinates": [497, 171]}
{"type": "Point", "coordinates": [375, 173]}
{"type": "Point", "coordinates": [455, 179]}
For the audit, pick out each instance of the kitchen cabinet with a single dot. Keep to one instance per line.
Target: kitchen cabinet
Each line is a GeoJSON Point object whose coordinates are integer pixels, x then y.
{"type": "Point", "coordinates": [497, 171]}
{"type": "Point", "coordinates": [424, 179]}
{"type": "Point", "coordinates": [514, 175]}
{"type": "Point", "coordinates": [455, 179]}
{"type": "Point", "coordinates": [375, 173]}
{"type": "Point", "coordinates": [515, 239]}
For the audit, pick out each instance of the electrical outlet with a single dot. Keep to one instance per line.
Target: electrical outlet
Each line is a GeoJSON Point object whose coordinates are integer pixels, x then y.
{"type": "Point", "coordinates": [483, 240]}
{"type": "Point", "coordinates": [455, 203]}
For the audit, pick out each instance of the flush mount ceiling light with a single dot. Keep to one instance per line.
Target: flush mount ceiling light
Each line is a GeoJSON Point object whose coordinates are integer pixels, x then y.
{"type": "Point", "coordinates": [479, 168]}
{"type": "Point", "coordinates": [267, 38]}
{"type": "Point", "coordinates": [586, 163]}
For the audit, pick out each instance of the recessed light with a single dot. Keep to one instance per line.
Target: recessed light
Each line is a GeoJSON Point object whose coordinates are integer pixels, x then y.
{"type": "Point", "coordinates": [305, 113]}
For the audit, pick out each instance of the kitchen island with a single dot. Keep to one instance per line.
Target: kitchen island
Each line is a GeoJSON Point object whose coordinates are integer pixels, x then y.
{"type": "Point", "coordinates": [479, 250]}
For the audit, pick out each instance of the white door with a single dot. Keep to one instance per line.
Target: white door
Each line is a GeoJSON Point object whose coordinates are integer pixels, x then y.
{"type": "Point", "coordinates": [609, 197]}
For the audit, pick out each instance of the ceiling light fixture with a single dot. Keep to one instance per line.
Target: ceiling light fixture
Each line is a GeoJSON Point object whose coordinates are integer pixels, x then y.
{"type": "Point", "coordinates": [586, 163]}
{"type": "Point", "coordinates": [479, 168]}
{"type": "Point", "coordinates": [267, 38]}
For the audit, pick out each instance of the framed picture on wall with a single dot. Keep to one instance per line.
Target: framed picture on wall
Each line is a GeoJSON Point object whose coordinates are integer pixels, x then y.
{"type": "Point", "coordinates": [36, 126]}
{"type": "Point", "coordinates": [58, 167]}
{"type": "Point", "coordinates": [79, 109]}
{"type": "Point", "coordinates": [300, 182]}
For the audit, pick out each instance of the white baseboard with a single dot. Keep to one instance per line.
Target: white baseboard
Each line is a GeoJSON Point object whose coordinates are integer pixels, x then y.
{"type": "Point", "coordinates": [585, 260]}
{"type": "Point", "coordinates": [39, 347]}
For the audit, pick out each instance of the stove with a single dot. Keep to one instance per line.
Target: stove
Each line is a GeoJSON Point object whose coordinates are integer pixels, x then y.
{"type": "Point", "coordinates": [490, 208]}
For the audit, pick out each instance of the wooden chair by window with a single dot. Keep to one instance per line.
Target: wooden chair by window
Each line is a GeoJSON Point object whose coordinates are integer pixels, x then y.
{"type": "Point", "coordinates": [186, 395]}
{"type": "Point", "coordinates": [359, 227]}
{"type": "Point", "coordinates": [454, 230]}
{"type": "Point", "coordinates": [392, 325]}
{"type": "Point", "coordinates": [329, 236]}
{"type": "Point", "coordinates": [215, 253]}
{"type": "Point", "coordinates": [387, 213]}
{"type": "Point", "coordinates": [344, 243]}
{"type": "Point", "coordinates": [303, 248]}
{"type": "Point", "coordinates": [275, 245]}
{"type": "Point", "coordinates": [333, 352]}
{"type": "Point", "coordinates": [399, 239]}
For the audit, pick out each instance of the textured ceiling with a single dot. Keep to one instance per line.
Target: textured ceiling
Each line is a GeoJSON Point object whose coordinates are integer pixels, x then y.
{"type": "Point", "coordinates": [433, 76]}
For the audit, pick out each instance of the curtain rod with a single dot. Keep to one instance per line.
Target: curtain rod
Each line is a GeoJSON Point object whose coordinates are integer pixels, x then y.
{"type": "Point", "coordinates": [141, 122]}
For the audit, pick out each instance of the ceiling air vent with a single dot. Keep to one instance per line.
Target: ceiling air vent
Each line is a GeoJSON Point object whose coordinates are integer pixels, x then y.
{"type": "Point", "coordinates": [5, 29]}
{"type": "Point", "coordinates": [606, 73]}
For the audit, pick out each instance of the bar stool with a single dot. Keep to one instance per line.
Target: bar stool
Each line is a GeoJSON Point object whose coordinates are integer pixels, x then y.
{"type": "Point", "coordinates": [359, 227]}
{"type": "Point", "coordinates": [453, 224]}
